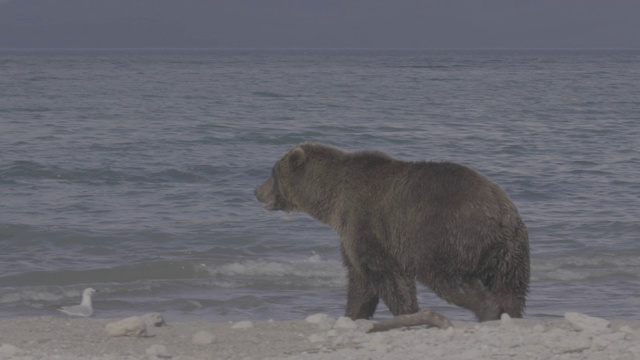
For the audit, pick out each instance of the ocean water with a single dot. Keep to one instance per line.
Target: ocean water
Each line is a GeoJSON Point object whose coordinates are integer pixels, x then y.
{"type": "Point", "coordinates": [132, 171]}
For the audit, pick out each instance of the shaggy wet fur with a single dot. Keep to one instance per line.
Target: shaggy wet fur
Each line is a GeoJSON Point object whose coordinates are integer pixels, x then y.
{"type": "Point", "coordinates": [442, 224]}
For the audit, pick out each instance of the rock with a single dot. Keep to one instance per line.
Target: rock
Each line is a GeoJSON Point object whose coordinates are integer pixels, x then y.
{"type": "Point", "coordinates": [505, 319]}
{"type": "Point", "coordinates": [10, 350]}
{"type": "Point", "coordinates": [157, 352]}
{"type": "Point", "coordinates": [243, 325]}
{"type": "Point", "coordinates": [153, 320]}
{"type": "Point", "coordinates": [345, 323]}
{"type": "Point", "coordinates": [587, 323]}
{"type": "Point", "coordinates": [132, 326]}
{"type": "Point", "coordinates": [202, 338]}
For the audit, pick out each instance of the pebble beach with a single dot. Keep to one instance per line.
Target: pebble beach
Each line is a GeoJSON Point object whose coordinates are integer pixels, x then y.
{"type": "Point", "coordinates": [319, 336]}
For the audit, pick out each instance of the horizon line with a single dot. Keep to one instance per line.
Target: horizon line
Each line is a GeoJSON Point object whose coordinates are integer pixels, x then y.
{"type": "Point", "coordinates": [315, 48]}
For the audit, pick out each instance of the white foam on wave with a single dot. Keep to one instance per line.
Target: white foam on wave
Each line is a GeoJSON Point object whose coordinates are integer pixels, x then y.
{"type": "Point", "coordinates": [314, 269]}
{"type": "Point", "coordinates": [582, 268]}
{"type": "Point", "coordinates": [17, 295]}
{"type": "Point", "coordinates": [323, 272]}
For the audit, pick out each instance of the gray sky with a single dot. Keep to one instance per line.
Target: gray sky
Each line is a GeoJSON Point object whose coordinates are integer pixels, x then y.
{"type": "Point", "coordinates": [320, 23]}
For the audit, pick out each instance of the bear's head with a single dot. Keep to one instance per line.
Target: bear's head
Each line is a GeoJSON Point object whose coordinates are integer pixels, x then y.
{"type": "Point", "coordinates": [279, 192]}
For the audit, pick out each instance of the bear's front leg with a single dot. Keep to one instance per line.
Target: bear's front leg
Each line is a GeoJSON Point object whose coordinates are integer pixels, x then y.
{"type": "Point", "coordinates": [398, 291]}
{"type": "Point", "coordinates": [376, 275]}
{"type": "Point", "coordinates": [362, 298]}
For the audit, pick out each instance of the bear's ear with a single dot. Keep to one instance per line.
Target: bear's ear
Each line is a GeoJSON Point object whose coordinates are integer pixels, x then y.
{"type": "Point", "coordinates": [296, 157]}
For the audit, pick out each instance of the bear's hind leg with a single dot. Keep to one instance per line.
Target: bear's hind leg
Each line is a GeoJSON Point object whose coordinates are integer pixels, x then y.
{"type": "Point", "coordinates": [485, 304]}
{"type": "Point", "coordinates": [492, 306]}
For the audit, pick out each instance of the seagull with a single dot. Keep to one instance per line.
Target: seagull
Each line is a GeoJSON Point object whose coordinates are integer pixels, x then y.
{"type": "Point", "coordinates": [84, 309]}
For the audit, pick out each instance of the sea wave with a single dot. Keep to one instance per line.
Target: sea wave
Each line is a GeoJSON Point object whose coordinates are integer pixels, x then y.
{"type": "Point", "coordinates": [30, 170]}
{"type": "Point", "coordinates": [307, 272]}
{"type": "Point", "coordinates": [587, 268]}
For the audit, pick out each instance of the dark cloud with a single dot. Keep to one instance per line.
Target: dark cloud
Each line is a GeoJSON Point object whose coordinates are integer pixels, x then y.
{"type": "Point", "coordinates": [320, 23]}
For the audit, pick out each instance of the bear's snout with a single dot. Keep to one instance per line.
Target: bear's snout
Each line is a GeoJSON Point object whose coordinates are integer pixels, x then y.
{"type": "Point", "coordinates": [265, 195]}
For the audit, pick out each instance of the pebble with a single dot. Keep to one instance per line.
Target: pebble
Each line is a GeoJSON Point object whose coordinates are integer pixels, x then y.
{"type": "Point", "coordinates": [602, 342]}
{"type": "Point", "coordinates": [132, 326]}
{"type": "Point", "coordinates": [345, 323]}
{"type": "Point", "coordinates": [10, 350]}
{"type": "Point", "coordinates": [584, 322]}
{"type": "Point", "coordinates": [157, 351]}
{"type": "Point", "coordinates": [153, 320]}
{"type": "Point", "coordinates": [505, 319]}
{"type": "Point", "coordinates": [626, 329]}
{"type": "Point", "coordinates": [203, 338]}
{"type": "Point", "coordinates": [315, 338]}
{"type": "Point", "coordinates": [635, 350]}
{"type": "Point", "coordinates": [572, 345]}
{"type": "Point", "coordinates": [538, 328]}
{"type": "Point", "coordinates": [324, 321]}
{"type": "Point", "coordinates": [243, 325]}
{"type": "Point", "coordinates": [316, 318]}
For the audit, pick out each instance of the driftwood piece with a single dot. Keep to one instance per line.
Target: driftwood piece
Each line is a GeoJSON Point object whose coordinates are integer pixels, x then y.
{"type": "Point", "coordinates": [423, 317]}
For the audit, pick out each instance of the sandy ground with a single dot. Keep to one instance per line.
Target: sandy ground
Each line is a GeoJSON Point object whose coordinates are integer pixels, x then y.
{"type": "Point", "coordinates": [319, 337]}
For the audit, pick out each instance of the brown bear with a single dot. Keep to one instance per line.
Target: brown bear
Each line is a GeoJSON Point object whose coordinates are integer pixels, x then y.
{"type": "Point", "coordinates": [442, 224]}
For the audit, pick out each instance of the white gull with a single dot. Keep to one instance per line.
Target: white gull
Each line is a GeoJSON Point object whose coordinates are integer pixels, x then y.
{"type": "Point", "coordinates": [84, 309]}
